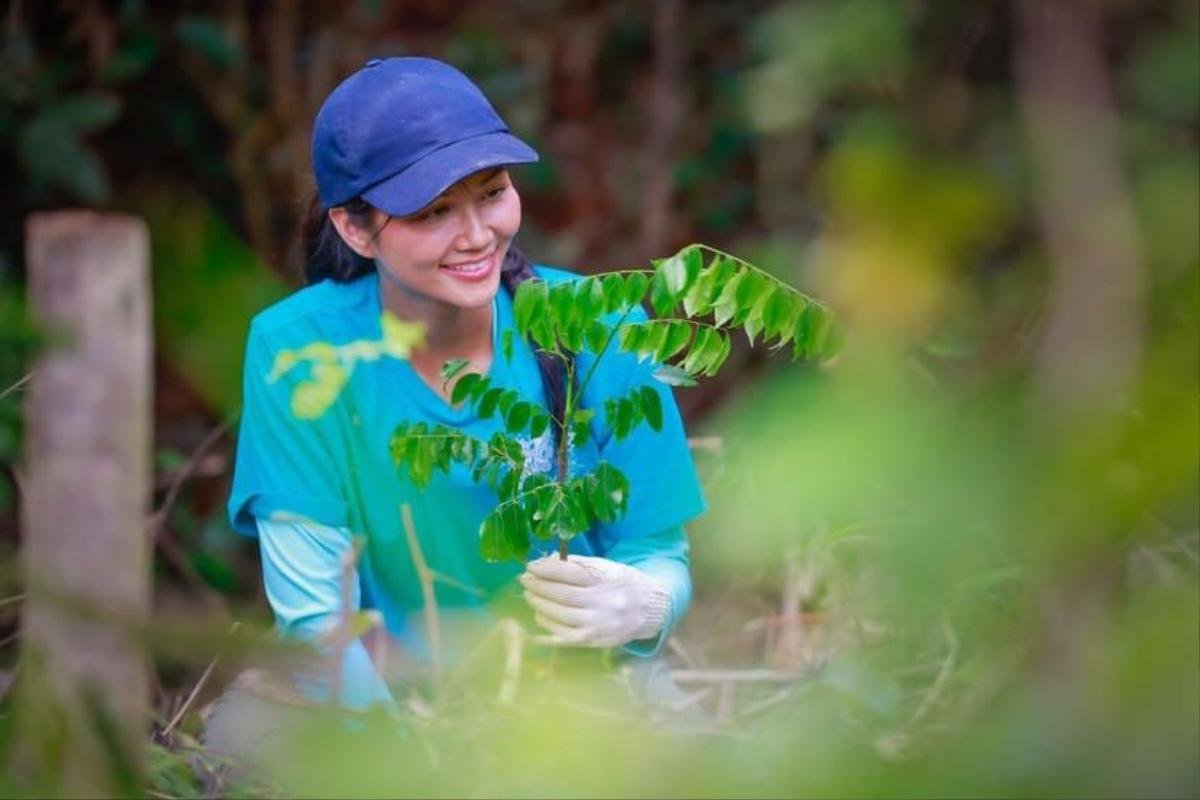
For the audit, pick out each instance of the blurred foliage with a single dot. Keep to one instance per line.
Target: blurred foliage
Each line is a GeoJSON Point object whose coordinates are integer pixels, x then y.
{"type": "Point", "coordinates": [207, 286]}
{"type": "Point", "coordinates": [987, 593]}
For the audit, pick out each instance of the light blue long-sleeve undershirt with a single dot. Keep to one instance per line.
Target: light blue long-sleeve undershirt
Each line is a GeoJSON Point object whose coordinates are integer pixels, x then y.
{"type": "Point", "coordinates": [302, 572]}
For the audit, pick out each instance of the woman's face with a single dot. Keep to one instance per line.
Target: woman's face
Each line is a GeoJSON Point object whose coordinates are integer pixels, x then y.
{"type": "Point", "coordinates": [451, 250]}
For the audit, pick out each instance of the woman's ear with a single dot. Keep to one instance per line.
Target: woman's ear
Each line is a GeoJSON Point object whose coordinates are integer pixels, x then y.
{"type": "Point", "coordinates": [358, 238]}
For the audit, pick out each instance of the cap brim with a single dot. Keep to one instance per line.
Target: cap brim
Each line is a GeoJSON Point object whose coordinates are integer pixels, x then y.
{"type": "Point", "coordinates": [416, 187]}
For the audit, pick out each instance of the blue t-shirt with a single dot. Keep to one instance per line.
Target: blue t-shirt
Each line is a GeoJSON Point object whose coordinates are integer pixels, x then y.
{"type": "Point", "coordinates": [337, 470]}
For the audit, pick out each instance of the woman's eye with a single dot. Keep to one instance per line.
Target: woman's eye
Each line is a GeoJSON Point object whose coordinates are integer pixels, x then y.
{"type": "Point", "coordinates": [434, 213]}
{"type": "Point", "coordinates": [492, 194]}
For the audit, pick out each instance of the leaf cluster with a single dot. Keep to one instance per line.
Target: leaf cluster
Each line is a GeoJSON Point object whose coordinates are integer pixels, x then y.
{"type": "Point", "coordinates": [529, 504]}
{"type": "Point", "coordinates": [519, 416]}
{"type": "Point", "coordinates": [697, 304]}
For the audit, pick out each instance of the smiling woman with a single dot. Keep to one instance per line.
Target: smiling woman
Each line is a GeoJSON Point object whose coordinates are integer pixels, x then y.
{"type": "Point", "coordinates": [441, 265]}
{"type": "Point", "coordinates": [416, 217]}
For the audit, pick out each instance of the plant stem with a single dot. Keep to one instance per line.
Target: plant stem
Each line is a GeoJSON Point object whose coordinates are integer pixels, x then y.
{"type": "Point", "coordinates": [564, 442]}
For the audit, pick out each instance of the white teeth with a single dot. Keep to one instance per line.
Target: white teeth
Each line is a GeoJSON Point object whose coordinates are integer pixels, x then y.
{"type": "Point", "coordinates": [474, 266]}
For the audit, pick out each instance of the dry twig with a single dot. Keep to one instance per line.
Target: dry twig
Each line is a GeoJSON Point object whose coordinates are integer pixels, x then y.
{"type": "Point", "coordinates": [191, 698]}
{"type": "Point", "coordinates": [428, 593]}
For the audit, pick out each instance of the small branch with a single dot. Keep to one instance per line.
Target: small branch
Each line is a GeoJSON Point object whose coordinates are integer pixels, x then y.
{"type": "Point", "coordinates": [726, 697]}
{"type": "Point", "coordinates": [707, 444]}
{"type": "Point", "coordinates": [16, 598]}
{"type": "Point", "coordinates": [737, 675]}
{"type": "Point", "coordinates": [456, 584]}
{"type": "Point", "coordinates": [16, 386]}
{"type": "Point", "coordinates": [487, 446]}
{"type": "Point", "coordinates": [191, 698]}
{"type": "Point", "coordinates": [939, 683]}
{"type": "Point", "coordinates": [769, 702]}
{"type": "Point", "coordinates": [678, 649]}
{"type": "Point", "coordinates": [591, 370]}
{"type": "Point", "coordinates": [514, 644]}
{"type": "Point", "coordinates": [430, 610]}
{"type": "Point", "coordinates": [343, 632]}
{"type": "Point", "coordinates": [159, 518]}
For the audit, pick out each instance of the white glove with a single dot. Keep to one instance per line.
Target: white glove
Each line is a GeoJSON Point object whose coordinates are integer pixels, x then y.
{"type": "Point", "coordinates": [594, 602]}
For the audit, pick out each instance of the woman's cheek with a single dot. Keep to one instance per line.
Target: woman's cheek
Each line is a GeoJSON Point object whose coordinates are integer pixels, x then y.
{"type": "Point", "coordinates": [508, 215]}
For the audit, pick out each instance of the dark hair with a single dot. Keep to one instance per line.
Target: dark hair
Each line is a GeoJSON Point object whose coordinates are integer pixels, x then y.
{"type": "Point", "coordinates": [326, 255]}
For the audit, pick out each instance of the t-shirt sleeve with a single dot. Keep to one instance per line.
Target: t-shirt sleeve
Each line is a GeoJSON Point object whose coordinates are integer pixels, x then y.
{"type": "Point", "coordinates": [664, 488]}
{"type": "Point", "coordinates": [285, 467]}
{"type": "Point", "coordinates": [303, 575]}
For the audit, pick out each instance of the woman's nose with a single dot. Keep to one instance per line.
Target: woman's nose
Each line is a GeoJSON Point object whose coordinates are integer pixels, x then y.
{"type": "Point", "coordinates": [474, 234]}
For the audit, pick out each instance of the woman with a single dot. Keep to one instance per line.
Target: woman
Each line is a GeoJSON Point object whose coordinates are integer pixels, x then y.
{"type": "Point", "coordinates": [416, 216]}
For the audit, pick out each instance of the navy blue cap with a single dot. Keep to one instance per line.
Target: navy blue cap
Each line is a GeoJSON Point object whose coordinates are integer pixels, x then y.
{"type": "Point", "coordinates": [401, 131]}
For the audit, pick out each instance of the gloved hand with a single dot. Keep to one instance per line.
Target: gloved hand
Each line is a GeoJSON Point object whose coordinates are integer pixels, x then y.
{"type": "Point", "coordinates": [594, 602]}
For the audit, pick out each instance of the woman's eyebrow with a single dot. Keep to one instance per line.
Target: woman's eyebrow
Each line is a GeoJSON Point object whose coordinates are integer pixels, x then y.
{"type": "Point", "coordinates": [484, 177]}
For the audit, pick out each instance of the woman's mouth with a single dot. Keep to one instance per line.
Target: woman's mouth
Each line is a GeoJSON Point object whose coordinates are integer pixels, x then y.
{"type": "Point", "coordinates": [471, 270]}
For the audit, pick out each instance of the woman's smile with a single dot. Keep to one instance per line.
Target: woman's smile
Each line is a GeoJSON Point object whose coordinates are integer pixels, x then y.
{"type": "Point", "coordinates": [477, 270]}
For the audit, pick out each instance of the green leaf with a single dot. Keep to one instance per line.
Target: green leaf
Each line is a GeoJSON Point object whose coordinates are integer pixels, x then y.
{"type": "Point", "coordinates": [491, 538]}
{"type": "Point", "coordinates": [655, 338]}
{"type": "Point", "coordinates": [662, 300]}
{"type": "Point", "coordinates": [752, 289]}
{"type": "Point", "coordinates": [516, 536]}
{"type": "Point", "coordinates": [636, 284]}
{"type": "Point", "coordinates": [597, 337]}
{"type": "Point", "coordinates": [796, 303]}
{"type": "Point", "coordinates": [672, 375]}
{"type": "Point", "coordinates": [696, 301]}
{"type": "Point", "coordinates": [85, 112]}
{"type": "Point", "coordinates": [572, 335]}
{"type": "Point", "coordinates": [581, 425]}
{"type": "Point", "coordinates": [589, 299]}
{"type": "Point", "coordinates": [539, 421]}
{"type": "Point", "coordinates": [674, 274]}
{"type": "Point", "coordinates": [207, 37]}
{"type": "Point", "coordinates": [487, 403]}
{"type": "Point", "coordinates": [613, 287]}
{"type": "Point", "coordinates": [506, 400]}
{"type": "Point", "coordinates": [678, 334]}
{"type": "Point", "coordinates": [631, 335]}
{"type": "Point", "coordinates": [815, 333]}
{"type": "Point", "coordinates": [651, 407]}
{"type": "Point", "coordinates": [628, 415]}
{"type": "Point", "coordinates": [506, 344]}
{"type": "Point", "coordinates": [467, 386]}
{"type": "Point", "coordinates": [680, 270]}
{"type": "Point", "coordinates": [694, 362]}
{"type": "Point", "coordinates": [718, 353]}
{"type": "Point", "coordinates": [542, 331]}
{"type": "Point", "coordinates": [509, 484]}
{"type": "Point", "coordinates": [53, 153]}
{"type": "Point", "coordinates": [567, 320]}
{"type": "Point", "coordinates": [775, 312]}
{"type": "Point", "coordinates": [726, 306]}
{"type": "Point", "coordinates": [452, 368]}
{"type": "Point", "coordinates": [517, 417]}
{"type": "Point", "coordinates": [693, 261]}
{"type": "Point", "coordinates": [609, 492]}
{"type": "Point", "coordinates": [529, 304]}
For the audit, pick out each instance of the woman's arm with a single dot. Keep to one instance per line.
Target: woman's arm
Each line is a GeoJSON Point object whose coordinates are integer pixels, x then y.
{"type": "Point", "coordinates": [302, 572]}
